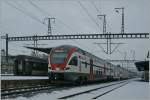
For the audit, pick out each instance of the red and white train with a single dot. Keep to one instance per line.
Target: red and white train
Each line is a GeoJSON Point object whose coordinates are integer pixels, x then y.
{"type": "Point", "coordinates": [71, 63]}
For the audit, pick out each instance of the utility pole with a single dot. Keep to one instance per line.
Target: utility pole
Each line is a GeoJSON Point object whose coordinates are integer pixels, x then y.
{"type": "Point", "coordinates": [7, 48]}
{"type": "Point", "coordinates": [124, 54]}
{"type": "Point", "coordinates": [49, 24]}
{"type": "Point", "coordinates": [104, 22]}
{"type": "Point", "coordinates": [35, 44]}
{"type": "Point", "coordinates": [122, 23]}
{"type": "Point", "coordinates": [104, 30]}
{"type": "Point", "coordinates": [108, 43]}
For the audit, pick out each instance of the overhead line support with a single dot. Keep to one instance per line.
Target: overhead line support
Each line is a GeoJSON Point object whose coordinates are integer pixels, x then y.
{"type": "Point", "coordinates": [81, 36]}
{"type": "Point", "coordinates": [75, 36]}
{"type": "Point", "coordinates": [49, 25]}
{"type": "Point", "coordinates": [122, 23]}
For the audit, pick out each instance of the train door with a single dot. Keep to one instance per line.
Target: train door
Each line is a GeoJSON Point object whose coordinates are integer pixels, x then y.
{"type": "Point", "coordinates": [104, 69]}
{"type": "Point", "coordinates": [28, 68]}
{"type": "Point", "coordinates": [105, 72]}
{"type": "Point", "coordinates": [16, 67]}
{"type": "Point", "coordinates": [20, 67]}
{"type": "Point", "coordinates": [80, 67]}
{"type": "Point", "coordinates": [91, 76]}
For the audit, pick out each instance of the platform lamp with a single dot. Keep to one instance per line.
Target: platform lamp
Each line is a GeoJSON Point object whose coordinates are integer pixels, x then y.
{"type": "Point", "coordinates": [122, 23]}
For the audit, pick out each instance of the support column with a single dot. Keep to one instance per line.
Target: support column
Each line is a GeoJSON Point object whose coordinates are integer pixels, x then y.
{"type": "Point", "coordinates": [7, 48]}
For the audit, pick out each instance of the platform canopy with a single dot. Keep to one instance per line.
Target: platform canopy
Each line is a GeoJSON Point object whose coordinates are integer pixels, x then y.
{"type": "Point", "coordinates": [142, 65]}
{"type": "Point", "coordinates": [45, 50]}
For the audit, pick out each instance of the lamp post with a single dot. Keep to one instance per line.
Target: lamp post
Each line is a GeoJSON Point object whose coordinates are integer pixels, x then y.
{"type": "Point", "coordinates": [122, 25]}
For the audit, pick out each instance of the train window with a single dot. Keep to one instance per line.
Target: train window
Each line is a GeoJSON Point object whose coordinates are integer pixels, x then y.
{"type": "Point", "coordinates": [100, 72]}
{"type": "Point", "coordinates": [74, 61]}
{"type": "Point", "coordinates": [34, 65]}
{"type": "Point", "coordinates": [59, 57]}
{"type": "Point", "coordinates": [96, 72]}
{"type": "Point", "coordinates": [20, 65]}
{"type": "Point", "coordinates": [85, 64]}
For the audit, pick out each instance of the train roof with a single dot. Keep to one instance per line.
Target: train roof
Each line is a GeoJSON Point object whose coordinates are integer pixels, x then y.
{"type": "Point", "coordinates": [82, 51]}
{"type": "Point", "coordinates": [31, 58]}
{"type": "Point", "coordinates": [47, 50]}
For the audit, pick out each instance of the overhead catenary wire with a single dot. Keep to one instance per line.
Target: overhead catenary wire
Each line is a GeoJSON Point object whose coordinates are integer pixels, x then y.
{"type": "Point", "coordinates": [44, 12]}
{"type": "Point", "coordinates": [47, 13]}
{"type": "Point", "coordinates": [24, 12]}
{"type": "Point", "coordinates": [37, 7]}
{"type": "Point", "coordinates": [89, 15]}
{"type": "Point", "coordinates": [95, 7]}
{"type": "Point", "coordinates": [29, 14]}
{"type": "Point", "coordinates": [99, 12]}
{"type": "Point", "coordinates": [32, 16]}
{"type": "Point", "coordinates": [109, 51]}
{"type": "Point", "coordinates": [22, 8]}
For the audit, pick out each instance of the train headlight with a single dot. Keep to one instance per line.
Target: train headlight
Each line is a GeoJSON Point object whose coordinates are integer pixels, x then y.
{"type": "Point", "coordinates": [57, 69]}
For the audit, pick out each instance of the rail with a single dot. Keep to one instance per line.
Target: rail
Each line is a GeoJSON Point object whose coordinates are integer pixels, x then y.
{"type": "Point", "coordinates": [95, 89]}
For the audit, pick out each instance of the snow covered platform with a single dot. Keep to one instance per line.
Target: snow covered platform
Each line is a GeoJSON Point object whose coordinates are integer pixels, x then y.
{"type": "Point", "coordinates": [8, 82]}
{"type": "Point", "coordinates": [134, 90]}
{"type": "Point", "coordinates": [23, 77]}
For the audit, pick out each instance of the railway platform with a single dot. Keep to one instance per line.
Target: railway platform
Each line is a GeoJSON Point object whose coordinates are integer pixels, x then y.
{"type": "Point", "coordinates": [23, 77]}
{"type": "Point", "coordinates": [135, 90]}
{"type": "Point", "coordinates": [8, 82]}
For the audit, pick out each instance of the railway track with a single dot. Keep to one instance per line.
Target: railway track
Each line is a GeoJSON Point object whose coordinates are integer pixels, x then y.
{"type": "Point", "coordinates": [96, 89]}
{"type": "Point", "coordinates": [109, 91]}
{"type": "Point", "coordinates": [14, 92]}
{"type": "Point", "coordinates": [17, 91]}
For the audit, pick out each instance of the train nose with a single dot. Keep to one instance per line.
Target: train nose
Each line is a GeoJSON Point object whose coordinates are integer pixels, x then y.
{"type": "Point", "coordinates": [58, 69]}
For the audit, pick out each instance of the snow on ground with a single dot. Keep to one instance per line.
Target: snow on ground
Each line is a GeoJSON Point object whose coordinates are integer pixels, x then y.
{"type": "Point", "coordinates": [6, 74]}
{"type": "Point", "coordinates": [135, 90]}
{"type": "Point", "coordinates": [22, 77]}
{"type": "Point", "coordinates": [59, 93]}
{"type": "Point", "coordinates": [92, 94]}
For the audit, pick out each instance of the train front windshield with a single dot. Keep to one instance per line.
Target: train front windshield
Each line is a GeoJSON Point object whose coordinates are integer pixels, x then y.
{"type": "Point", "coordinates": [59, 56]}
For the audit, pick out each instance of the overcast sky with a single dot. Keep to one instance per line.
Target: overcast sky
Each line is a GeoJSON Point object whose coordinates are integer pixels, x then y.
{"type": "Point", "coordinates": [71, 18]}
